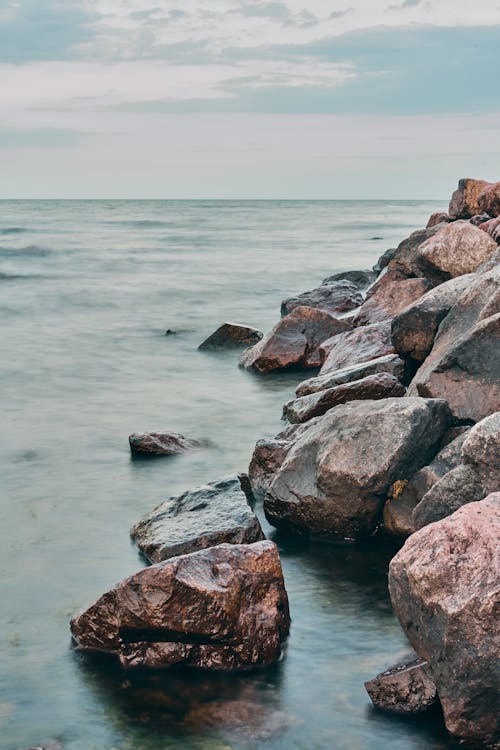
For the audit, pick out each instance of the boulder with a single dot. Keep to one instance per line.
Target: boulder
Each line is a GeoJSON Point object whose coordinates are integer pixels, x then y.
{"type": "Point", "coordinates": [405, 688]}
{"type": "Point", "coordinates": [481, 451]}
{"type": "Point", "coordinates": [491, 227]}
{"type": "Point", "coordinates": [231, 336]}
{"type": "Point", "coordinates": [160, 443]}
{"type": "Point", "coordinates": [458, 248]}
{"type": "Point", "coordinates": [377, 386]}
{"type": "Point", "coordinates": [464, 201]}
{"type": "Point", "coordinates": [354, 347]}
{"type": "Point", "coordinates": [479, 219]}
{"type": "Point", "coordinates": [294, 341]}
{"type": "Point", "coordinates": [384, 259]}
{"type": "Point", "coordinates": [362, 279]}
{"type": "Point", "coordinates": [438, 218]}
{"type": "Point", "coordinates": [221, 608]}
{"type": "Point", "coordinates": [389, 300]}
{"type": "Point", "coordinates": [414, 329]}
{"type": "Point", "coordinates": [458, 487]}
{"type": "Point", "coordinates": [464, 363]}
{"type": "Point", "coordinates": [215, 513]}
{"type": "Point", "coordinates": [334, 297]}
{"type": "Point", "coordinates": [390, 363]}
{"type": "Point", "coordinates": [444, 587]}
{"type": "Point", "coordinates": [335, 478]}
{"type": "Point", "coordinates": [489, 199]}
{"type": "Point", "coordinates": [406, 256]}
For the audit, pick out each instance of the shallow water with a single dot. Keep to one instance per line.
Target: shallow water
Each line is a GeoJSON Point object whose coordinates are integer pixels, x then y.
{"type": "Point", "coordinates": [87, 290]}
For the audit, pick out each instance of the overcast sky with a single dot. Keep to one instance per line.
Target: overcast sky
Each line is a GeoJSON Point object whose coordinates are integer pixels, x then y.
{"type": "Point", "coordinates": [247, 98]}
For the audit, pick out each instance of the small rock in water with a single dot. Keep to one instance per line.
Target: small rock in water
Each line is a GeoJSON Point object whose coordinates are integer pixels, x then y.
{"type": "Point", "coordinates": [231, 336]}
{"type": "Point", "coordinates": [160, 443]}
{"type": "Point", "coordinates": [170, 332]}
{"type": "Point", "coordinates": [405, 688]}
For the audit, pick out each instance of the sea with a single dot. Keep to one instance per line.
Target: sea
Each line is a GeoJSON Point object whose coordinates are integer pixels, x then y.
{"type": "Point", "coordinates": [88, 290]}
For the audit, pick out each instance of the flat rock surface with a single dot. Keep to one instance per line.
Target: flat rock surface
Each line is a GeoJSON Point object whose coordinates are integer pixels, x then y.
{"type": "Point", "coordinates": [231, 336]}
{"type": "Point", "coordinates": [359, 345]}
{"type": "Point", "coordinates": [160, 443]}
{"type": "Point", "coordinates": [405, 688]}
{"type": "Point", "coordinates": [390, 363]}
{"type": "Point", "coordinates": [336, 297]}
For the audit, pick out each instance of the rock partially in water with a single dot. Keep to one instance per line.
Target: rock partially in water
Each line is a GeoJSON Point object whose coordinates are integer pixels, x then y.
{"type": "Point", "coordinates": [389, 363]}
{"type": "Point", "coordinates": [405, 688]}
{"type": "Point", "coordinates": [221, 608]}
{"type": "Point", "coordinates": [334, 297]}
{"type": "Point", "coordinates": [377, 386]}
{"type": "Point", "coordinates": [160, 443]}
{"type": "Point", "coordinates": [362, 279]}
{"type": "Point", "coordinates": [464, 202]}
{"type": "Point", "coordinates": [357, 346]}
{"type": "Point", "coordinates": [457, 249]}
{"type": "Point", "coordinates": [390, 299]}
{"type": "Point", "coordinates": [213, 514]}
{"type": "Point", "coordinates": [239, 718]}
{"type": "Point", "coordinates": [444, 587]}
{"type": "Point", "coordinates": [489, 199]}
{"type": "Point", "coordinates": [294, 341]}
{"type": "Point", "coordinates": [231, 336]}
{"type": "Point", "coordinates": [336, 475]}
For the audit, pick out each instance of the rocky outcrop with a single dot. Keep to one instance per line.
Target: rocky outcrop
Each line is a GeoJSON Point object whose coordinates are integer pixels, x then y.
{"type": "Point", "coordinates": [160, 443]}
{"type": "Point", "coordinates": [354, 347]}
{"type": "Point", "coordinates": [362, 279]}
{"type": "Point", "coordinates": [215, 513]}
{"type": "Point", "coordinates": [405, 257]}
{"type": "Point", "coordinates": [405, 688]}
{"type": "Point", "coordinates": [413, 330]}
{"type": "Point", "coordinates": [334, 297]}
{"type": "Point", "coordinates": [231, 336]}
{"type": "Point", "coordinates": [389, 300]}
{"type": "Point", "coordinates": [221, 608]}
{"type": "Point", "coordinates": [444, 587]}
{"type": "Point", "coordinates": [458, 248]}
{"type": "Point", "coordinates": [389, 363]}
{"type": "Point", "coordinates": [489, 199]}
{"type": "Point", "coordinates": [377, 386]}
{"type": "Point", "coordinates": [438, 218]}
{"type": "Point", "coordinates": [294, 341]}
{"type": "Point", "coordinates": [464, 202]}
{"type": "Point", "coordinates": [335, 478]}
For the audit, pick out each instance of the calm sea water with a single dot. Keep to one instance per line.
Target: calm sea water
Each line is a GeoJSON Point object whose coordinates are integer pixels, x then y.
{"type": "Point", "coordinates": [87, 290]}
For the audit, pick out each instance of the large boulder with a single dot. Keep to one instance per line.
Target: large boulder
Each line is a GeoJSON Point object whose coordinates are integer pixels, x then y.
{"type": "Point", "coordinates": [294, 341]}
{"type": "Point", "coordinates": [489, 199]}
{"type": "Point", "coordinates": [405, 258]}
{"type": "Point", "coordinates": [377, 386]}
{"type": "Point", "coordinates": [464, 202]}
{"type": "Point", "coordinates": [464, 363]}
{"type": "Point", "coordinates": [362, 279]}
{"type": "Point", "coordinates": [481, 451]}
{"type": "Point", "coordinates": [221, 608]}
{"type": "Point", "coordinates": [457, 248]}
{"type": "Point", "coordinates": [231, 336]}
{"type": "Point", "coordinates": [444, 587]}
{"type": "Point", "coordinates": [492, 227]}
{"type": "Point", "coordinates": [405, 688]}
{"type": "Point", "coordinates": [215, 513]}
{"type": "Point", "coordinates": [389, 300]}
{"type": "Point", "coordinates": [354, 347]}
{"type": "Point", "coordinates": [160, 443]}
{"type": "Point", "coordinates": [438, 218]}
{"type": "Point", "coordinates": [335, 478]}
{"type": "Point", "coordinates": [414, 329]}
{"type": "Point", "coordinates": [389, 363]}
{"type": "Point", "coordinates": [334, 297]}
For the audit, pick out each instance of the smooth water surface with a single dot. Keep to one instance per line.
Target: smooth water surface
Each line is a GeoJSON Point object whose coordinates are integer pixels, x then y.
{"type": "Point", "coordinates": [87, 290]}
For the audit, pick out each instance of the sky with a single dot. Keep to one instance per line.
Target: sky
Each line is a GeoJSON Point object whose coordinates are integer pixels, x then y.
{"type": "Point", "coordinates": [247, 98]}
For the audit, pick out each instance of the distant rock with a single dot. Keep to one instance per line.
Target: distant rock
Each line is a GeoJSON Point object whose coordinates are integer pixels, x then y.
{"type": "Point", "coordinates": [231, 336]}
{"type": "Point", "coordinates": [335, 297]}
{"type": "Point", "coordinates": [294, 341]}
{"type": "Point", "coordinates": [438, 218]}
{"type": "Point", "coordinates": [357, 346]}
{"type": "Point", "coordinates": [405, 688]}
{"type": "Point", "coordinates": [362, 279]}
{"type": "Point", "coordinates": [444, 587]}
{"type": "Point", "coordinates": [221, 608]}
{"type": "Point", "coordinates": [215, 513]}
{"type": "Point", "coordinates": [160, 443]}
{"type": "Point", "coordinates": [464, 202]}
{"type": "Point", "coordinates": [489, 199]}
{"type": "Point", "coordinates": [389, 300]}
{"type": "Point", "coordinates": [390, 363]}
{"type": "Point", "coordinates": [458, 248]}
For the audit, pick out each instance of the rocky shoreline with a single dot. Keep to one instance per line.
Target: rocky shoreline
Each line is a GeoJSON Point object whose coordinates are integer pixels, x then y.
{"type": "Point", "coordinates": [397, 436]}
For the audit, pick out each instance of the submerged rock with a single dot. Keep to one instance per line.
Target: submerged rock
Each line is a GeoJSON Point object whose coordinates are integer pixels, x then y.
{"type": "Point", "coordinates": [231, 336]}
{"type": "Point", "coordinates": [334, 297]}
{"type": "Point", "coordinates": [213, 514]}
{"type": "Point", "coordinates": [359, 345]}
{"type": "Point", "coordinates": [457, 249]}
{"type": "Point", "coordinates": [444, 587]}
{"type": "Point", "coordinates": [405, 688]}
{"type": "Point", "coordinates": [160, 443]}
{"type": "Point", "coordinates": [221, 608]}
{"type": "Point", "coordinates": [464, 201]}
{"type": "Point", "coordinates": [389, 300]}
{"type": "Point", "coordinates": [389, 363]}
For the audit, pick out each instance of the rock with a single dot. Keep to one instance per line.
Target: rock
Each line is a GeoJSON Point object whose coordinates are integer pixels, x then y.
{"type": "Point", "coordinates": [444, 587]}
{"type": "Point", "coordinates": [362, 279]}
{"type": "Point", "coordinates": [414, 329]}
{"type": "Point", "coordinates": [464, 201]}
{"type": "Point", "coordinates": [406, 688]}
{"type": "Point", "coordinates": [389, 300]}
{"type": "Point", "coordinates": [489, 199]}
{"type": "Point", "coordinates": [160, 443]}
{"type": "Point", "coordinates": [456, 488]}
{"type": "Point", "coordinates": [354, 347]}
{"type": "Point", "coordinates": [221, 608]}
{"type": "Point", "coordinates": [239, 719]}
{"type": "Point", "coordinates": [491, 227]}
{"type": "Point", "coordinates": [458, 248]}
{"type": "Point", "coordinates": [386, 276]}
{"type": "Point", "coordinates": [464, 363]}
{"type": "Point", "coordinates": [481, 451]}
{"type": "Point", "coordinates": [335, 478]}
{"type": "Point", "coordinates": [377, 386]}
{"type": "Point", "coordinates": [335, 297]}
{"type": "Point", "coordinates": [479, 219]}
{"type": "Point", "coordinates": [213, 514]}
{"type": "Point", "coordinates": [294, 341]}
{"type": "Point", "coordinates": [390, 363]}
{"type": "Point", "coordinates": [231, 336]}
{"type": "Point", "coordinates": [406, 256]}
{"type": "Point", "coordinates": [51, 745]}
{"type": "Point", "coordinates": [384, 259]}
{"type": "Point", "coordinates": [438, 218]}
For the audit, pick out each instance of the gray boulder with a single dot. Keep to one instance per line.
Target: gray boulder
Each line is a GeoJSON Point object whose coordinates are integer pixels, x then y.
{"type": "Point", "coordinates": [362, 279]}
{"type": "Point", "coordinates": [405, 688]}
{"type": "Point", "coordinates": [390, 299]}
{"type": "Point", "coordinates": [160, 443]}
{"type": "Point", "coordinates": [406, 256]}
{"type": "Point", "coordinates": [231, 336]}
{"type": "Point", "coordinates": [389, 363]}
{"type": "Point", "coordinates": [335, 297]}
{"type": "Point", "coordinates": [354, 347]}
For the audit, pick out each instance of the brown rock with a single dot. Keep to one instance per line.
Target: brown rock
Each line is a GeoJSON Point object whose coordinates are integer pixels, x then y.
{"type": "Point", "coordinates": [390, 363]}
{"type": "Point", "coordinates": [406, 688]}
{"type": "Point", "coordinates": [354, 347]}
{"type": "Point", "coordinates": [438, 218]}
{"type": "Point", "coordinates": [160, 443]}
{"type": "Point", "coordinates": [489, 199]}
{"type": "Point", "coordinates": [458, 248]}
{"type": "Point", "coordinates": [406, 256]}
{"type": "Point", "coordinates": [294, 341]}
{"type": "Point", "coordinates": [334, 297]}
{"type": "Point", "coordinates": [389, 300]}
{"type": "Point", "coordinates": [490, 227]}
{"type": "Point", "coordinates": [464, 201]}
{"type": "Point", "coordinates": [458, 487]}
{"type": "Point", "coordinates": [231, 336]}
{"type": "Point", "coordinates": [444, 587]}
{"type": "Point", "coordinates": [221, 608]}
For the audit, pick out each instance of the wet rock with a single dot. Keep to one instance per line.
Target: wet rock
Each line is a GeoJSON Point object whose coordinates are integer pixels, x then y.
{"type": "Point", "coordinates": [215, 513]}
{"type": "Point", "coordinates": [444, 587]}
{"type": "Point", "coordinates": [221, 608]}
{"type": "Point", "coordinates": [294, 341]}
{"type": "Point", "coordinates": [357, 346]}
{"type": "Point", "coordinates": [405, 688]}
{"type": "Point", "coordinates": [160, 443]}
{"type": "Point", "coordinates": [390, 363]}
{"type": "Point", "coordinates": [231, 336]}
{"type": "Point", "coordinates": [464, 363]}
{"type": "Point", "coordinates": [456, 488]}
{"type": "Point", "coordinates": [362, 279]}
{"type": "Point", "coordinates": [414, 329]}
{"type": "Point", "coordinates": [384, 259]}
{"type": "Point", "coordinates": [406, 256]}
{"type": "Point", "coordinates": [377, 386]}
{"type": "Point", "coordinates": [239, 718]}
{"type": "Point", "coordinates": [458, 248]}
{"type": "Point", "coordinates": [389, 300]}
{"type": "Point", "coordinates": [464, 201]}
{"type": "Point", "coordinates": [335, 477]}
{"type": "Point", "coordinates": [489, 199]}
{"type": "Point", "coordinates": [438, 218]}
{"type": "Point", "coordinates": [334, 297]}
